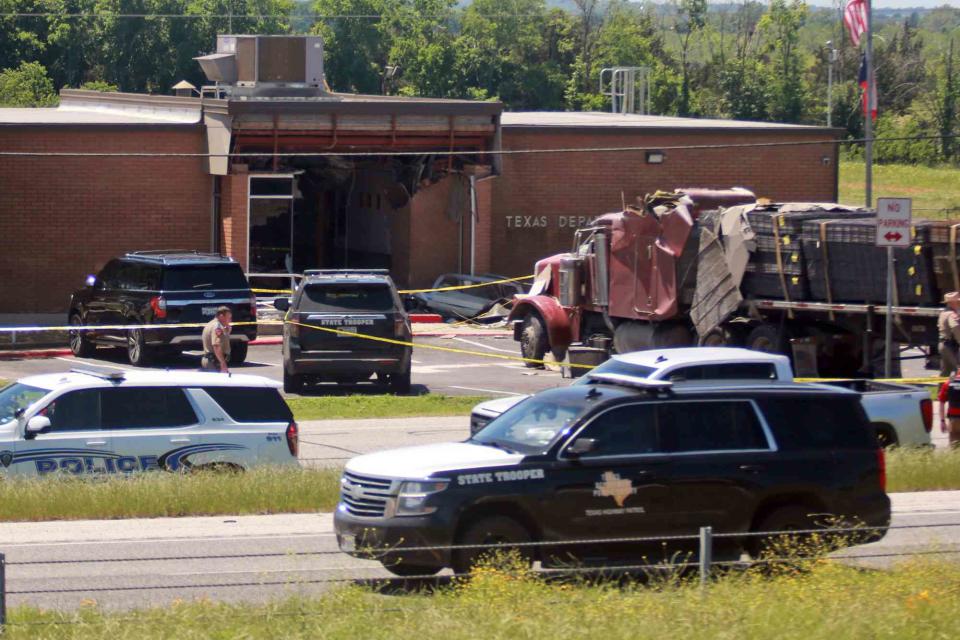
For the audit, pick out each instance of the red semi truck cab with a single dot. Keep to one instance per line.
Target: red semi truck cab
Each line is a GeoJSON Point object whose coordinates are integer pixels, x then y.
{"type": "Point", "coordinates": [630, 266]}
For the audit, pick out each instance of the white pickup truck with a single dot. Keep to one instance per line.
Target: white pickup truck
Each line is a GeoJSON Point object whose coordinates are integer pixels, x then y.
{"type": "Point", "coordinates": [902, 414]}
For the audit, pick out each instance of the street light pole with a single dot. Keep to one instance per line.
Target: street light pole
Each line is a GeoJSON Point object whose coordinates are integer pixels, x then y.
{"type": "Point", "coordinates": [831, 60]}
{"type": "Point", "coordinates": [868, 119]}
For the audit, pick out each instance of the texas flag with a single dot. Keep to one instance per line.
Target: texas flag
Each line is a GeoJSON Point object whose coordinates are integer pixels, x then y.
{"type": "Point", "coordinates": [869, 87]}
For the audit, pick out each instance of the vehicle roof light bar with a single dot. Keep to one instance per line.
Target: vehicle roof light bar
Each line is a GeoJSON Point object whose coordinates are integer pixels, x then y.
{"type": "Point", "coordinates": [631, 381]}
{"type": "Point", "coordinates": [346, 272]}
{"type": "Point", "coordinates": [112, 376]}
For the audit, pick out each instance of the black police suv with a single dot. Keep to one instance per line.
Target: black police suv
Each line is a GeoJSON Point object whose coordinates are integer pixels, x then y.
{"type": "Point", "coordinates": [327, 319]}
{"type": "Point", "coordinates": [160, 288]}
{"type": "Point", "coordinates": [616, 458]}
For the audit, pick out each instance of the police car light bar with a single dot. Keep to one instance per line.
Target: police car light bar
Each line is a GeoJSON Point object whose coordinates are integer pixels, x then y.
{"type": "Point", "coordinates": [631, 381]}
{"type": "Point", "coordinates": [112, 376]}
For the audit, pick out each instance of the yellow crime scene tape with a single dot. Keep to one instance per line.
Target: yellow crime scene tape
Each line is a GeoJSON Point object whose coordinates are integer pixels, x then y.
{"type": "Point", "coordinates": [409, 291]}
{"type": "Point", "coordinates": [404, 343]}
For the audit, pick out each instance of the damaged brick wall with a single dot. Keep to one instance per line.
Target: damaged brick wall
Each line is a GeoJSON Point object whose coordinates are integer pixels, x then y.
{"type": "Point", "coordinates": [540, 199]}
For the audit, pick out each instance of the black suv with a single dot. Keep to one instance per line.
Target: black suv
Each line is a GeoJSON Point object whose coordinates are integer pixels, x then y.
{"type": "Point", "coordinates": [619, 458]}
{"type": "Point", "coordinates": [162, 287]}
{"type": "Point", "coordinates": [343, 303]}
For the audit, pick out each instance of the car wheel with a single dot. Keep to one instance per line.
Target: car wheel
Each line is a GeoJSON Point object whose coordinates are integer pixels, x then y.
{"type": "Point", "coordinates": [238, 353]}
{"type": "Point", "coordinates": [79, 345]}
{"type": "Point", "coordinates": [399, 568]}
{"type": "Point", "coordinates": [886, 435]}
{"type": "Point", "coordinates": [400, 382]}
{"type": "Point", "coordinates": [788, 518]}
{"type": "Point", "coordinates": [533, 340]}
{"type": "Point", "coordinates": [137, 350]}
{"type": "Point", "coordinates": [292, 383]}
{"type": "Point", "coordinates": [495, 530]}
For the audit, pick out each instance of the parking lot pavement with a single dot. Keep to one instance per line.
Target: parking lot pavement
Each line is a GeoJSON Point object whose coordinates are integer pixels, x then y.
{"type": "Point", "coordinates": [433, 371]}
{"type": "Point", "coordinates": [327, 443]}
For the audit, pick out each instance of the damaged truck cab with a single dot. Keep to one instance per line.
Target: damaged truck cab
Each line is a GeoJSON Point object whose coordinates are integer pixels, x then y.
{"type": "Point", "coordinates": [625, 283]}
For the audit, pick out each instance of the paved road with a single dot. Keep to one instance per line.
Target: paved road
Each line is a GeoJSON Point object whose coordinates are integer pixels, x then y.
{"type": "Point", "coordinates": [187, 574]}
{"type": "Point", "coordinates": [433, 370]}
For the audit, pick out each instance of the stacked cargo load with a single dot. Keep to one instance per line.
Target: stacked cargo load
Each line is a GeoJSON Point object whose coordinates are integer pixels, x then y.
{"type": "Point", "coordinates": [942, 237]}
{"type": "Point", "coordinates": [777, 268]}
{"type": "Point", "coordinates": [844, 264]}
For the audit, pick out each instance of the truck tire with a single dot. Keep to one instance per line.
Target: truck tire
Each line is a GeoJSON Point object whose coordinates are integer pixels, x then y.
{"type": "Point", "coordinates": [767, 338]}
{"type": "Point", "coordinates": [79, 345]}
{"type": "Point", "coordinates": [292, 383]}
{"type": "Point", "coordinates": [138, 353]}
{"type": "Point", "coordinates": [400, 383]}
{"type": "Point", "coordinates": [238, 353]}
{"type": "Point", "coordinates": [633, 335]}
{"type": "Point", "coordinates": [886, 435]}
{"type": "Point", "coordinates": [491, 530]}
{"type": "Point", "coordinates": [726, 336]}
{"type": "Point", "coordinates": [533, 340]}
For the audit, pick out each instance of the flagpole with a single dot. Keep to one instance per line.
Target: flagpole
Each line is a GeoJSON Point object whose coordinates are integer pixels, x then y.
{"type": "Point", "coordinates": [868, 157]}
{"type": "Point", "coordinates": [868, 116]}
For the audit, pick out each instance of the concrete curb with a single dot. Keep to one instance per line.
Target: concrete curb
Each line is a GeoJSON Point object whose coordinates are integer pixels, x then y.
{"type": "Point", "coordinates": [34, 353]}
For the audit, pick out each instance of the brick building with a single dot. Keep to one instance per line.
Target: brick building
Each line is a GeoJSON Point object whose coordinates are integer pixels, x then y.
{"type": "Point", "coordinates": [339, 180]}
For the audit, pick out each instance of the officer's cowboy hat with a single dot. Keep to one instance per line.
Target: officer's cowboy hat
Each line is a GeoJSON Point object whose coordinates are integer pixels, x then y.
{"type": "Point", "coordinates": [953, 296]}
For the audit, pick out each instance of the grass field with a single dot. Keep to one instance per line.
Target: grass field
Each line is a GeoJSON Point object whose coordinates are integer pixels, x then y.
{"type": "Point", "coordinates": [935, 190]}
{"type": "Point", "coordinates": [260, 491]}
{"type": "Point", "coordinates": [381, 406]}
{"type": "Point", "coordinates": [266, 490]}
{"type": "Point", "coordinates": [827, 602]}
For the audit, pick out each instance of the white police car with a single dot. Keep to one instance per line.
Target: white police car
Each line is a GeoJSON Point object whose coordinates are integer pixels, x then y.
{"type": "Point", "coordinates": [91, 422]}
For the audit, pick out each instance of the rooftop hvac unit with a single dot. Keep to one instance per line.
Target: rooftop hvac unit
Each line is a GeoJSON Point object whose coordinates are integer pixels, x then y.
{"type": "Point", "coordinates": [265, 64]}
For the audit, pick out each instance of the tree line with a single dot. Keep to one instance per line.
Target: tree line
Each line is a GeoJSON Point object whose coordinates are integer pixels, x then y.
{"type": "Point", "coordinates": [744, 60]}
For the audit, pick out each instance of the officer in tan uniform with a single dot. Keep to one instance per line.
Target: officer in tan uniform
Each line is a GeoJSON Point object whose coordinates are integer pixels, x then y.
{"type": "Point", "coordinates": [948, 325]}
{"type": "Point", "coordinates": [216, 342]}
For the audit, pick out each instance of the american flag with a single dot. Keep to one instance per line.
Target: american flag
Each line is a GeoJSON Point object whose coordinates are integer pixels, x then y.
{"type": "Point", "coordinates": [855, 17]}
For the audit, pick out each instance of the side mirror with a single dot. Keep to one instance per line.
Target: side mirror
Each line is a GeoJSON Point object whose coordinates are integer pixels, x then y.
{"type": "Point", "coordinates": [91, 280]}
{"type": "Point", "coordinates": [282, 304]}
{"type": "Point", "coordinates": [35, 425]}
{"type": "Point", "coordinates": [581, 446]}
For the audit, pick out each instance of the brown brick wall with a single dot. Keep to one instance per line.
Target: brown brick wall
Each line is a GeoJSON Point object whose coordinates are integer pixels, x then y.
{"type": "Point", "coordinates": [62, 218]}
{"type": "Point", "coordinates": [543, 188]}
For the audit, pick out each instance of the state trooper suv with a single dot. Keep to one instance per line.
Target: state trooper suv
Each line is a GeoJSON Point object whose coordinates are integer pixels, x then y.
{"type": "Point", "coordinates": [621, 457]}
{"type": "Point", "coordinates": [89, 422]}
{"type": "Point", "coordinates": [326, 318]}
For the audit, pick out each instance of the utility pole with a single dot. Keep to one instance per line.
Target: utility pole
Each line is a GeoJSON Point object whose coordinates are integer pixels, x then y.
{"type": "Point", "coordinates": [831, 60]}
{"type": "Point", "coordinates": [868, 119]}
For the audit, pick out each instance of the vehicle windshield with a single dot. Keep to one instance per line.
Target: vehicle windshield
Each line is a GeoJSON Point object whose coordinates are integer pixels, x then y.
{"type": "Point", "coordinates": [204, 277]}
{"type": "Point", "coordinates": [531, 426]}
{"type": "Point", "coordinates": [17, 397]}
{"type": "Point", "coordinates": [347, 297]}
{"type": "Point", "coordinates": [619, 367]}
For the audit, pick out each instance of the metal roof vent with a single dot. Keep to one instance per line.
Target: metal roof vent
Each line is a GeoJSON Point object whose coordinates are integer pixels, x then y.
{"type": "Point", "coordinates": [266, 66]}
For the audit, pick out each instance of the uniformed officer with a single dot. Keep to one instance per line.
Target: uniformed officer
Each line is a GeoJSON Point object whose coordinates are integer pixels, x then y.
{"type": "Point", "coordinates": [948, 325]}
{"type": "Point", "coordinates": [950, 395]}
{"type": "Point", "coordinates": [216, 341]}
